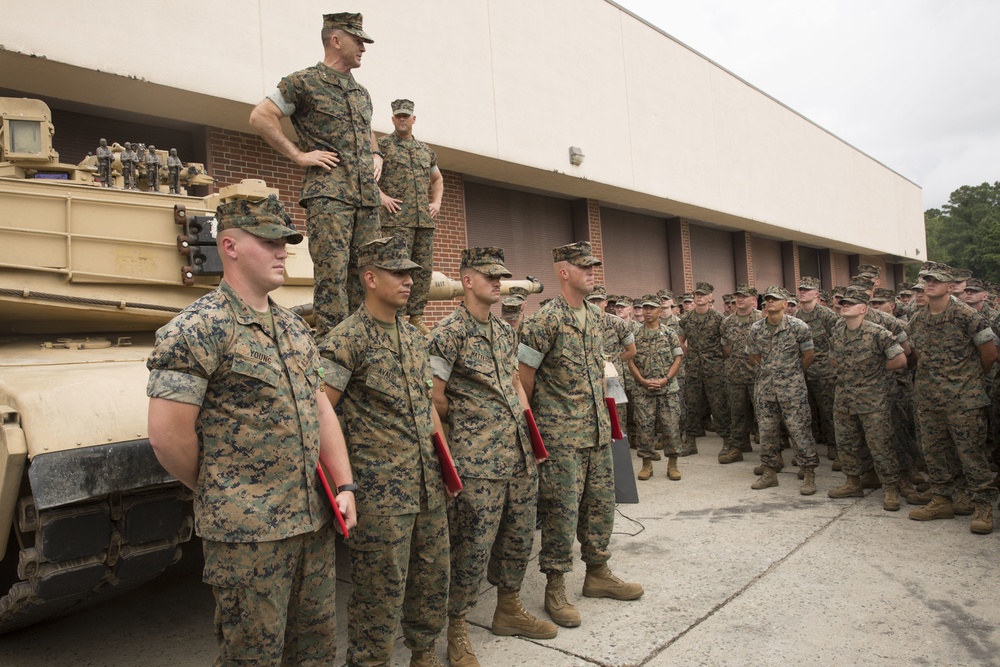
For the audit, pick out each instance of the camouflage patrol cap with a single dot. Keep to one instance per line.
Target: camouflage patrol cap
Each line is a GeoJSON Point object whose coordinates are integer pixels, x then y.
{"type": "Point", "coordinates": [975, 284]}
{"type": "Point", "coordinates": [880, 295]}
{"type": "Point", "coordinates": [919, 285]}
{"type": "Point", "coordinates": [624, 300]}
{"type": "Point", "coordinates": [637, 303]}
{"type": "Point", "coordinates": [703, 288]}
{"type": "Point", "coordinates": [665, 294]}
{"type": "Point", "coordinates": [518, 292]}
{"type": "Point", "coordinates": [792, 298]}
{"type": "Point", "coordinates": [350, 23]}
{"type": "Point", "coordinates": [745, 290]}
{"type": "Point", "coordinates": [961, 275]}
{"type": "Point", "coordinates": [938, 271]}
{"type": "Point", "coordinates": [903, 289]}
{"type": "Point", "coordinates": [389, 253]}
{"type": "Point", "coordinates": [776, 292]}
{"type": "Point", "coordinates": [728, 298]}
{"type": "Point", "coordinates": [511, 305]}
{"type": "Point", "coordinates": [808, 282]}
{"type": "Point", "coordinates": [839, 290]}
{"type": "Point", "coordinates": [824, 296]}
{"type": "Point", "coordinates": [598, 294]}
{"type": "Point", "coordinates": [402, 106]}
{"type": "Point", "coordinates": [855, 295]}
{"type": "Point", "coordinates": [487, 261]}
{"type": "Point", "coordinates": [687, 297]}
{"type": "Point", "coordinates": [265, 218]}
{"type": "Point", "coordinates": [863, 282]}
{"type": "Point", "coordinates": [578, 254]}
{"type": "Point", "coordinates": [869, 270]}
{"type": "Point", "coordinates": [650, 300]}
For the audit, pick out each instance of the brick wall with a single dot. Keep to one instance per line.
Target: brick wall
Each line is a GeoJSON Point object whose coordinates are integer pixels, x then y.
{"type": "Point", "coordinates": [596, 237]}
{"type": "Point", "coordinates": [686, 255]}
{"type": "Point", "coordinates": [450, 238]}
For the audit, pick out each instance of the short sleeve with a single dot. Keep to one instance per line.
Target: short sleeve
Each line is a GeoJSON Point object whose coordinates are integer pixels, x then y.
{"type": "Point", "coordinates": [184, 358]}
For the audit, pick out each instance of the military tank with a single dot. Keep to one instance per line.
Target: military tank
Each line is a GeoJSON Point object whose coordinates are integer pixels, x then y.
{"type": "Point", "coordinates": [87, 275]}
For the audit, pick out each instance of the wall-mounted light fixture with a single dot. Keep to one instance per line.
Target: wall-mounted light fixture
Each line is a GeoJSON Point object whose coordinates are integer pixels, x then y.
{"type": "Point", "coordinates": [576, 156]}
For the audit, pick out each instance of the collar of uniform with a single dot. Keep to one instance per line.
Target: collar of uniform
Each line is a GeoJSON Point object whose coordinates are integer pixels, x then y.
{"type": "Point", "coordinates": [376, 335]}
{"type": "Point", "coordinates": [472, 324]}
{"type": "Point", "coordinates": [246, 315]}
{"type": "Point", "coordinates": [333, 77]}
{"type": "Point", "coordinates": [567, 312]}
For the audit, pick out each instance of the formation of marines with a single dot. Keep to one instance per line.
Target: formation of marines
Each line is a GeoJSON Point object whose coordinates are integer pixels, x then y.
{"type": "Point", "coordinates": [246, 403]}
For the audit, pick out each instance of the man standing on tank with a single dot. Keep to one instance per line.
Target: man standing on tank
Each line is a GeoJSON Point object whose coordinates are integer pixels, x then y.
{"type": "Point", "coordinates": [331, 113]}
{"type": "Point", "coordinates": [237, 413]}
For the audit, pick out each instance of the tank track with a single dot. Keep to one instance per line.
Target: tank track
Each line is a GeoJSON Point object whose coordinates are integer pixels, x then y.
{"type": "Point", "coordinates": [65, 558]}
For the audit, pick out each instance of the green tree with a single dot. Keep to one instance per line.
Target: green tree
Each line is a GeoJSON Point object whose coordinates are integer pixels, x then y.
{"type": "Point", "coordinates": [965, 232]}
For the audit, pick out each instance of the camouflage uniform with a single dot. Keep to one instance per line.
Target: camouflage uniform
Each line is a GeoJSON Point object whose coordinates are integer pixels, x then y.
{"type": "Point", "coordinates": [900, 396]}
{"type": "Point", "coordinates": [258, 507]}
{"type": "Point", "coordinates": [576, 491]}
{"type": "Point", "coordinates": [399, 549]}
{"type": "Point", "coordinates": [406, 175]}
{"type": "Point", "coordinates": [861, 404]}
{"type": "Point", "coordinates": [657, 411]}
{"type": "Point", "coordinates": [950, 390]}
{"type": "Point", "coordinates": [780, 389]}
{"type": "Point", "coordinates": [493, 455]}
{"type": "Point", "coordinates": [740, 377]}
{"type": "Point", "coordinates": [821, 376]}
{"type": "Point", "coordinates": [332, 112]}
{"type": "Point", "coordinates": [704, 373]}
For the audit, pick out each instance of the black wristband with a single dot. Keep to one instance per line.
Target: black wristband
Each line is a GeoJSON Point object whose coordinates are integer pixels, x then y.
{"type": "Point", "coordinates": [379, 153]}
{"type": "Point", "coordinates": [347, 487]}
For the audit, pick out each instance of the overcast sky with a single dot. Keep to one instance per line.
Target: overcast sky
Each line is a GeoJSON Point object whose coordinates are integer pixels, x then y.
{"type": "Point", "coordinates": [913, 83]}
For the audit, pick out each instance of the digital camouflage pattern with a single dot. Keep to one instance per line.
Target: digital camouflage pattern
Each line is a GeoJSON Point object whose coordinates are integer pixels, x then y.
{"type": "Point", "coordinates": [821, 376]}
{"type": "Point", "coordinates": [265, 218]}
{"type": "Point", "coordinates": [576, 485]}
{"type": "Point", "coordinates": [217, 353]}
{"type": "Point", "coordinates": [739, 376]}
{"type": "Point", "coordinates": [255, 583]}
{"type": "Point", "coordinates": [617, 337]}
{"type": "Point", "coordinates": [657, 411]}
{"type": "Point", "coordinates": [704, 368]}
{"type": "Point", "coordinates": [399, 549]}
{"type": "Point", "coordinates": [406, 175]}
{"type": "Point", "coordinates": [861, 404]}
{"type": "Point", "coordinates": [780, 390]}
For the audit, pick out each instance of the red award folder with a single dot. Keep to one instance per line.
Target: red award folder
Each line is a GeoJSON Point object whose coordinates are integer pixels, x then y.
{"type": "Point", "coordinates": [536, 438]}
{"type": "Point", "coordinates": [448, 471]}
{"type": "Point", "coordinates": [616, 426]}
{"type": "Point", "coordinates": [333, 499]}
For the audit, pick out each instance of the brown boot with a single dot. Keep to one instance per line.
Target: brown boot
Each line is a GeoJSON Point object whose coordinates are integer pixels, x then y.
{"type": "Point", "coordinates": [938, 508]}
{"type": "Point", "coordinates": [962, 504]}
{"type": "Point", "coordinates": [511, 619]}
{"type": "Point", "coordinates": [767, 479]}
{"type": "Point", "coordinates": [836, 466]}
{"type": "Point", "coordinates": [919, 498]}
{"type": "Point", "coordinates": [673, 474]}
{"type": "Point", "coordinates": [688, 446]}
{"type": "Point", "coordinates": [759, 470]}
{"type": "Point", "coordinates": [982, 520]}
{"type": "Point", "coordinates": [557, 606]}
{"type": "Point", "coordinates": [890, 498]}
{"type": "Point", "coordinates": [647, 470]}
{"type": "Point", "coordinates": [601, 583]}
{"type": "Point", "coordinates": [870, 480]}
{"type": "Point", "coordinates": [905, 487]}
{"type": "Point", "coordinates": [459, 648]}
{"type": "Point", "coordinates": [808, 487]}
{"type": "Point", "coordinates": [731, 455]}
{"type": "Point", "coordinates": [418, 322]}
{"type": "Point", "coordinates": [849, 489]}
{"type": "Point", "coordinates": [428, 658]}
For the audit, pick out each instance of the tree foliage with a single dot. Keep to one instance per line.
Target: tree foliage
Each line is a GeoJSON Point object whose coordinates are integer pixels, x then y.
{"type": "Point", "coordinates": [965, 232]}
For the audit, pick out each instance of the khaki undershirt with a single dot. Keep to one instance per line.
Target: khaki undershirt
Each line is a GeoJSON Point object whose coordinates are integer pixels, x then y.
{"type": "Point", "coordinates": [391, 331]}
{"type": "Point", "coordinates": [581, 315]}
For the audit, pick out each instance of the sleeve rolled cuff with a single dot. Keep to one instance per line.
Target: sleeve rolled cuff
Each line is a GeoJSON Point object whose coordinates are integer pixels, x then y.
{"type": "Point", "coordinates": [628, 340]}
{"type": "Point", "coordinates": [894, 351]}
{"type": "Point", "coordinates": [529, 356]}
{"type": "Point", "coordinates": [335, 375]}
{"type": "Point", "coordinates": [984, 336]}
{"type": "Point", "coordinates": [441, 368]}
{"type": "Point", "coordinates": [279, 101]}
{"type": "Point", "coordinates": [678, 352]}
{"type": "Point", "coordinates": [806, 345]}
{"type": "Point", "coordinates": [176, 386]}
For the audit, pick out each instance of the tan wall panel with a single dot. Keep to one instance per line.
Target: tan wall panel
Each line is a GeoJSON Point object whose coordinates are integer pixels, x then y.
{"type": "Point", "coordinates": [767, 263]}
{"type": "Point", "coordinates": [636, 259]}
{"type": "Point", "coordinates": [712, 259]}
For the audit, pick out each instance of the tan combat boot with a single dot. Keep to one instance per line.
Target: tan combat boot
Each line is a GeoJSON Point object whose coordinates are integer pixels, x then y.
{"type": "Point", "coordinates": [647, 470]}
{"type": "Point", "coordinates": [905, 487]}
{"type": "Point", "coordinates": [890, 498]}
{"type": "Point", "coordinates": [982, 520]}
{"type": "Point", "coordinates": [849, 489]}
{"type": "Point", "coordinates": [938, 508]}
{"type": "Point", "coordinates": [511, 619]}
{"type": "Point", "coordinates": [808, 487]}
{"type": "Point", "coordinates": [731, 455]}
{"type": "Point", "coordinates": [418, 322]}
{"type": "Point", "coordinates": [767, 479]}
{"type": "Point", "coordinates": [673, 474]}
{"type": "Point", "coordinates": [459, 647]}
{"type": "Point", "coordinates": [962, 504]}
{"type": "Point", "coordinates": [556, 604]}
{"type": "Point", "coordinates": [601, 583]}
{"type": "Point", "coordinates": [427, 658]}
{"type": "Point", "coordinates": [759, 470]}
{"type": "Point", "coordinates": [870, 480]}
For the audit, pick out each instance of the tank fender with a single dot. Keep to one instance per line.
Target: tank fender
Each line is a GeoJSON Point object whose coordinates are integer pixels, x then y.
{"type": "Point", "coordinates": [13, 457]}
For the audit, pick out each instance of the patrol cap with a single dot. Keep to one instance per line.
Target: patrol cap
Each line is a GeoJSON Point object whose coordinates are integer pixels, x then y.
{"type": "Point", "coordinates": [728, 298]}
{"type": "Point", "coordinates": [855, 295]}
{"type": "Point", "coordinates": [975, 284]}
{"type": "Point", "coordinates": [961, 275]}
{"type": "Point", "coordinates": [387, 253]}
{"type": "Point", "coordinates": [824, 296]}
{"type": "Point", "coordinates": [402, 106]}
{"type": "Point", "coordinates": [623, 301]}
{"type": "Point", "coordinates": [651, 300]}
{"type": "Point", "coordinates": [598, 294]}
{"type": "Point", "coordinates": [518, 292]}
{"type": "Point", "coordinates": [839, 290]}
{"type": "Point", "coordinates": [792, 298]}
{"type": "Point", "coordinates": [665, 294]}
{"type": "Point", "coordinates": [488, 261]}
{"type": "Point", "coordinates": [637, 303]}
{"type": "Point", "coordinates": [863, 282]}
{"type": "Point", "coordinates": [776, 292]}
{"type": "Point", "coordinates": [919, 285]}
{"type": "Point", "coordinates": [511, 305]}
{"type": "Point", "coordinates": [578, 254]}
{"type": "Point", "coordinates": [703, 288]}
{"type": "Point", "coordinates": [265, 218]}
{"type": "Point", "coordinates": [350, 23]}
{"type": "Point", "coordinates": [745, 290]}
{"type": "Point", "coordinates": [903, 289]}
{"type": "Point", "coordinates": [938, 271]}
{"type": "Point", "coordinates": [869, 270]}
{"type": "Point", "coordinates": [687, 297]}
{"type": "Point", "coordinates": [882, 295]}
{"type": "Point", "coordinates": [808, 282]}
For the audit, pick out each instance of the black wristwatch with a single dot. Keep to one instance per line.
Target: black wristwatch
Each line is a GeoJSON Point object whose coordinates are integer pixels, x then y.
{"type": "Point", "coordinates": [347, 487]}
{"type": "Point", "coordinates": [379, 153]}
